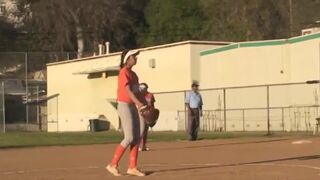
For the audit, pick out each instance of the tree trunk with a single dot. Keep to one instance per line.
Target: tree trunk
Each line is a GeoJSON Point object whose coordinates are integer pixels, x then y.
{"type": "Point", "coordinates": [79, 33]}
{"type": "Point", "coordinates": [80, 41]}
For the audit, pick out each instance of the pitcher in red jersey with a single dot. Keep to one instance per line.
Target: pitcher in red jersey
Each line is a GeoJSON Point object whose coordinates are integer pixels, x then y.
{"type": "Point", "coordinates": [129, 102]}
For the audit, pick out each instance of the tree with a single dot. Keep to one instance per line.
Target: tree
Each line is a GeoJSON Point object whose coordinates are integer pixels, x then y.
{"type": "Point", "coordinates": [8, 34]}
{"type": "Point", "coordinates": [272, 19]}
{"type": "Point", "coordinates": [76, 24]}
{"type": "Point", "coordinates": [304, 15]}
{"type": "Point", "coordinates": [173, 20]}
{"type": "Point", "coordinates": [244, 20]}
{"type": "Point", "coordinates": [69, 25]}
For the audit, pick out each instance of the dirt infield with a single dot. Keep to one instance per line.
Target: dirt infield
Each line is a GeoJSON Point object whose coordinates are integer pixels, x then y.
{"type": "Point", "coordinates": [240, 159]}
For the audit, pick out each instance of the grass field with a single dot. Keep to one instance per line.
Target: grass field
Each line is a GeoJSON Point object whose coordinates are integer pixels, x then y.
{"type": "Point", "coordinates": [16, 140]}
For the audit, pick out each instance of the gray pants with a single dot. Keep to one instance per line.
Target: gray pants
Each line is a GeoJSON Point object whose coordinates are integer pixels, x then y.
{"type": "Point", "coordinates": [193, 123]}
{"type": "Point", "coordinates": [131, 124]}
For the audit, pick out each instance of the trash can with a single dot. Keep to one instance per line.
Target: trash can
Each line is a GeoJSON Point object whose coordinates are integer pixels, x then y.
{"type": "Point", "coordinates": [94, 125]}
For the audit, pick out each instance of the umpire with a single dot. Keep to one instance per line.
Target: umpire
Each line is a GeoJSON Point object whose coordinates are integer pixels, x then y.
{"type": "Point", "coordinates": [194, 104]}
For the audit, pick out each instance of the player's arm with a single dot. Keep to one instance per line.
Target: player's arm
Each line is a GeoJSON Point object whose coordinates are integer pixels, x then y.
{"type": "Point", "coordinates": [200, 111]}
{"type": "Point", "coordinates": [200, 106]}
{"type": "Point", "coordinates": [152, 100]}
{"type": "Point", "coordinates": [126, 82]}
{"type": "Point", "coordinates": [150, 103]}
{"type": "Point", "coordinates": [133, 97]}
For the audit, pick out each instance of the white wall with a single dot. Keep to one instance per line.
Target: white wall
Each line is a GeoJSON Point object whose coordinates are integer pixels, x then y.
{"type": "Point", "coordinates": [259, 63]}
{"type": "Point", "coordinates": [82, 99]}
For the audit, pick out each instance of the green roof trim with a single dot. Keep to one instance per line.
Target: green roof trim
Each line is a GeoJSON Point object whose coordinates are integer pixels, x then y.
{"type": "Point", "coordinates": [304, 38]}
{"type": "Point", "coordinates": [224, 48]}
{"type": "Point", "coordinates": [264, 43]}
{"type": "Point", "coordinates": [261, 43]}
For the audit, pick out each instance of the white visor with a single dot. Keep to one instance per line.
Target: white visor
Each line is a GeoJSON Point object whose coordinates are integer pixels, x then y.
{"type": "Point", "coordinates": [142, 87]}
{"type": "Point", "coordinates": [130, 53]}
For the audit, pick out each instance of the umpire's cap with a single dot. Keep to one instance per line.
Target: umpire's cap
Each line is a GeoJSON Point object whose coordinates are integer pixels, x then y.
{"type": "Point", "coordinates": [195, 84]}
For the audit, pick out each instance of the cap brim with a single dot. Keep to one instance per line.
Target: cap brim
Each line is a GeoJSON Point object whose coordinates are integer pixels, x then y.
{"type": "Point", "coordinates": [131, 53]}
{"type": "Point", "coordinates": [143, 87]}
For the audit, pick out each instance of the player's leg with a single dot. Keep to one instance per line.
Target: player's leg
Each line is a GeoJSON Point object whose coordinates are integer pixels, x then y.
{"type": "Point", "coordinates": [191, 124]}
{"type": "Point", "coordinates": [196, 124]}
{"type": "Point", "coordinates": [126, 119]}
{"type": "Point", "coordinates": [145, 137]}
{"type": "Point", "coordinates": [142, 131]}
{"type": "Point", "coordinates": [134, 148]}
{"type": "Point", "coordinates": [143, 144]}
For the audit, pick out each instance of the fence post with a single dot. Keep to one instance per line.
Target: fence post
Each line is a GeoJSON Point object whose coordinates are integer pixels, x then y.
{"type": "Point", "coordinates": [27, 90]}
{"type": "Point", "coordinates": [224, 110]}
{"type": "Point", "coordinates": [38, 118]}
{"type": "Point", "coordinates": [243, 121]}
{"type": "Point", "coordinates": [268, 110]}
{"type": "Point", "coordinates": [282, 109]}
{"type": "Point", "coordinates": [185, 112]}
{"type": "Point", "coordinates": [57, 114]}
{"type": "Point", "coordinates": [3, 108]}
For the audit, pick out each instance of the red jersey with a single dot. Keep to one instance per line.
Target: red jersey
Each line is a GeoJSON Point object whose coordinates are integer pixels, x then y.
{"type": "Point", "coordinates": [127, 77]}
{"type": "Point", "coordinates": [149, 98]}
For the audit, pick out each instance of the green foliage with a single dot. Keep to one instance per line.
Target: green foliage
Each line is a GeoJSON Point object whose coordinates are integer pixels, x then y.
{"type": "Point", "coordinates": [226, 20]}
{"type": "Point", "coordinates": [51, 25]}
{"type": "Point", "coordinates": [244, 20]}
{"type": "Point", "coordinates": [305, 14]}
{"type": "Point", "coordinates": [173, 20]}
{"type": "Point", "coordinates": [59, 24]}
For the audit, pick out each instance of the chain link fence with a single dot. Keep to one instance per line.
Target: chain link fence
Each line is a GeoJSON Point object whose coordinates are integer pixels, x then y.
{"type": "Point", "coordinates": [2, 109]}
{"type": "Point", "coordinates": [23, 91]}
{"type": "Point", "coordinates": [289, 107]}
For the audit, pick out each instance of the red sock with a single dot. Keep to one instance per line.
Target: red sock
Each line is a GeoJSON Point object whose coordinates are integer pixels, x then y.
{"type": "Point", "coordinates": [117, 155]}
{"type": "Point", "coordinates": [134, 149]}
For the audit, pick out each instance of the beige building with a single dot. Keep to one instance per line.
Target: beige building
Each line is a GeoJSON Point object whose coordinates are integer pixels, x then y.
{"type": "Point", "coordinates": [295, 60]}
{"type": "Point", "coordinates": [87, 87]}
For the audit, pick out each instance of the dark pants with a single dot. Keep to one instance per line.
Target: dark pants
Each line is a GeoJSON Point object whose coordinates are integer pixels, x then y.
{"type": "Point", "coordinates": [193, 123]}
{"type": "Point", "coordinates": [144, 137]}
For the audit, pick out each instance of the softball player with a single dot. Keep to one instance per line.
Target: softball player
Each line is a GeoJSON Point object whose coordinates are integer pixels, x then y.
{"type": "Point", "coordinates": [128, 105]}
{"type": "Point", "coordinates": [149, 100]}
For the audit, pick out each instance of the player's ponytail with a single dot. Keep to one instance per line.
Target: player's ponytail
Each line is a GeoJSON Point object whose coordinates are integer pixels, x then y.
{"type": "Point", "coordinates": [123, 55]}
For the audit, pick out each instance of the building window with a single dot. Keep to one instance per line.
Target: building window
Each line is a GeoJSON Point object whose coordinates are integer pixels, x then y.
{"type": "Point", "coordinates": [2, 8]}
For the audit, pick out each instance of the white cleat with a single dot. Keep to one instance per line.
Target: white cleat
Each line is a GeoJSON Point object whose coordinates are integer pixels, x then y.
{"type": "Point", "coordinates": [144, 149]}
{"type": "Point", "coordinates": [113, 170]}
{"type": "Point", "coordinates": [135, 172]}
